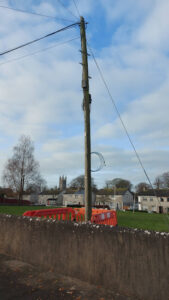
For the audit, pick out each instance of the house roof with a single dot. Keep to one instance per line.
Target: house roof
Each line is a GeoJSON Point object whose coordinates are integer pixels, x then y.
{"type": "Point", "coordinates": [70, 191]}
{"type": "Point", "coordinates": [112, 192]}
{"type": "Point", "coordinates": [7, 192]}
{"type": "Point", "coordinates": [76, 192]}
{"type": "Point", "coordinates": [79, 192]}
{"type": "Point", "coordinates": [158, 193]}
{"type": "Point", "coordinates": [50, 193]}
{"type": "Point", "coordinates": [105, 192]}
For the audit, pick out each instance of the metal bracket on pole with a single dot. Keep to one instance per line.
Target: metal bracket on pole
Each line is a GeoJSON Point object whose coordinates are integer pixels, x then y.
{"type": "Point", "coordinates": [83, 53]}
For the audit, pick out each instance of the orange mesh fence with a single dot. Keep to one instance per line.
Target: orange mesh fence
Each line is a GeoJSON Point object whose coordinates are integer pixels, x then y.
{"type": "Point", "coordinates": [107, 218]}
{"type": "Point", "coordinates": [58, 213]}
{"type": "Point", "coordinates": [99, 216]}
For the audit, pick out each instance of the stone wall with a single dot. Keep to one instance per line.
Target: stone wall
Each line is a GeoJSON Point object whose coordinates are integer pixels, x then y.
{"type": "Point", "coordinates": [133, 262]}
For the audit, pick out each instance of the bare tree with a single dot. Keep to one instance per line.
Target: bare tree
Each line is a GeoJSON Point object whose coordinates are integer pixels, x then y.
{"type": "Point", "coordinates": [162, 181]}
{"type": "Point", "coordinates": [142, 186]}
{"type": "Point", "coordinates": [78, 182]}
{"type": "Point", "coordinates": [158, 182]}
{"type": "Point", "coordinates": [165, 178]}
{"type": "Point", "coordinates": [37, 186]}
{"type": "Point", "coordinates": [22, 171]}
{"type": "Point", "coordinates": [118, 183]}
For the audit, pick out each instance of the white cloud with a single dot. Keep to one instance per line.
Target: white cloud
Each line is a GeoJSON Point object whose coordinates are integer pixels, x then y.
{"type": "Point", "coordinates": [130, 11]}
{"type": "Point", "coordinates": [73, 144]}
{"type": "Point", "coordinates": [45, 8]}
{"type": "Point", "coordinates": [145, 118]}
{"type": "Point", "coordinates": [36, 92]}
{"type": "Point", "coordinates": [154, 32]}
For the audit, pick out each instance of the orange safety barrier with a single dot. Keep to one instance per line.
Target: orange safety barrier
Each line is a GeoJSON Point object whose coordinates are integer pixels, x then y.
{"type": "Point", "coordinates": [79, 214]}
{"type": "Point", "coordinates": [99, 216]}
{"type": "Point", "coordinates": [58, 213]}
{"type": "Point", "coordinates": [107, 218]}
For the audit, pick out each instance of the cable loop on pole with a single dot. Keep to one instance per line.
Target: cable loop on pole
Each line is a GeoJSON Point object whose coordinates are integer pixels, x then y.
{"type": "Point", "coordinates": [102, 161]}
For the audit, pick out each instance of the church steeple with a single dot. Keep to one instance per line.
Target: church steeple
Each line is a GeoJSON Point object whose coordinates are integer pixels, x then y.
{"type": "Point", "coordinates": [62, 183]}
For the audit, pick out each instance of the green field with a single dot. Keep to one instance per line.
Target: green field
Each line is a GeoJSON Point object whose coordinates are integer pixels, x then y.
{"type": "Point", "coordinates": [157, 222]}
{"type": "Point", "coordinates": [19, 210]}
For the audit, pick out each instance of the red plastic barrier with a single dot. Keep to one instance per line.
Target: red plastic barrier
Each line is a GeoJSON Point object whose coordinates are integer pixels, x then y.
{"type": "Point", "coordinates": [55, 213]}
{"type": "Point", "coordinates": [107, 218]}
{"type": "Point", "coordinates": [79, 214]}
{"type": "Point", "coordinates": [99, 216]}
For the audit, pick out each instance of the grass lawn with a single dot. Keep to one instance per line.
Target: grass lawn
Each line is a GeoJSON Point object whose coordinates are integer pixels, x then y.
{"type": "Point", "coordinates": [157, 222]}
{"type": "Point", "coordinates": [18, 210]}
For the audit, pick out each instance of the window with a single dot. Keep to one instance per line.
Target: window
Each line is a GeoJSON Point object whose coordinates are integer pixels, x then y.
{"type": "Point", "coordinates": [144, 199]}
{"type": "Point", "coordinates": [161, 199]}
{"type": "Point", "coordinates": [153, 208]}
{"type": "Point", "coordinates": [167, 199]}
{"type": "Point", "coordinates": [151, 199]}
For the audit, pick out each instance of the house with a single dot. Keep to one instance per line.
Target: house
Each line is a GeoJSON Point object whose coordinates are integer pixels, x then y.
{"type": "Point", "coordinates": [50, 199]}
{"type": "Point", "coordinates": [122, 199]}
{"type": "Point", "coordinates": [154, 201]}
{"type": "Point", "coordinates": [8, 197]}
{"type": "Point", "coordinates": [43, 198]}
{"type": "Point", "coordinates": [32, 197]}
{"type": "Point", "coordinates": [76, 198]}
{"type": "Point", "coordinates": [7, 193]}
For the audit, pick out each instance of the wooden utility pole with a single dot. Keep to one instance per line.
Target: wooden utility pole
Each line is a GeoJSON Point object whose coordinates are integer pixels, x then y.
{"type": "Point", "coordinates": [86, 107]}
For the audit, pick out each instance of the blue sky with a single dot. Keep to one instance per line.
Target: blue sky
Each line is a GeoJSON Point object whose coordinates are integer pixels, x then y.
{"type": "Point", "coordinates": [41, 95]}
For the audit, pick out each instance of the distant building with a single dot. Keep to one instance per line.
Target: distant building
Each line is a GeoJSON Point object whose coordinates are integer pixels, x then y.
{"type": "Point", "coordinates": [115, 199]}
{"type": "Point", "coordinates": [44, 198]}
{"type": "Point", "coordinates": [62, 183]}
{"type": "Point", "coordinates": [154, 201]}
{"type": "Point", "coordinates": [7, 193]}
{"type": "Point", "coordinates": [76, 198]}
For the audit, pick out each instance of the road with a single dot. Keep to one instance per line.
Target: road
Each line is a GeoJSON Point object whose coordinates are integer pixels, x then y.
{"type": "Point", "coordinates": [22, 281]}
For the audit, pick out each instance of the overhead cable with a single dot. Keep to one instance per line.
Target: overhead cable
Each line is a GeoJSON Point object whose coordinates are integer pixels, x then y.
{"type": "Point", "coordinates": [36, 52]}
{"type": "Point", "coordinates": [38, 39]}
{"type": "Point", "coordinates": [33, 13]}
{"type": "Point", "coordinates": [124, 127]}
{"type": "Point", "coordinates": [66, 8]}
{"type": "Point", "coordinates": [75, 4]}
{"type": "Point", "coordinates": [118, 113]}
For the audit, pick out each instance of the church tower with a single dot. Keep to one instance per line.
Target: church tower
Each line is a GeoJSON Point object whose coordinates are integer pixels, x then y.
{"type": "Point", "coordinates": [62, 183]}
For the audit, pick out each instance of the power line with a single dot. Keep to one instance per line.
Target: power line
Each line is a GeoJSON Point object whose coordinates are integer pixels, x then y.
{"type": "Point", "coordinates": [124, 127]}
{"type": "Point", "coordinates": [36, 52]}
{"type": "Point", "coordinates": [118, 113]}
{"type": "Point", "coordinates": [38, 39]}
{"type": "Point", "coordinates": [66, 8]}
{"type": "Point", "coordinates": [75, 4]}
{"type": "Point", "coordinates": [33, 13]}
